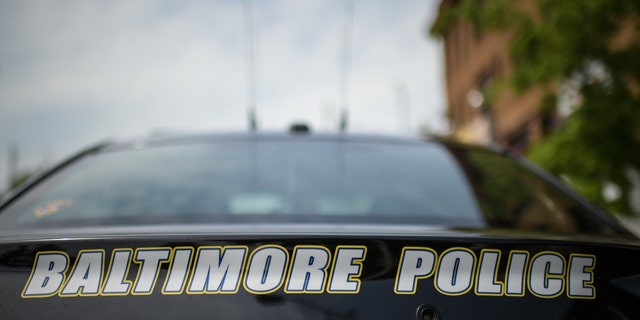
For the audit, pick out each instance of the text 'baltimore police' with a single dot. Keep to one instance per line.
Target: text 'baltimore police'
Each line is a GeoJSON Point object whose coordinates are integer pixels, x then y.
{"type": "Point", "coordinates": [307, 270]}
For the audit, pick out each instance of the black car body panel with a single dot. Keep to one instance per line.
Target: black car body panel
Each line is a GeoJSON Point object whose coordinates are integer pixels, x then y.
{"type": "Point", "coordinates": [381, 282]}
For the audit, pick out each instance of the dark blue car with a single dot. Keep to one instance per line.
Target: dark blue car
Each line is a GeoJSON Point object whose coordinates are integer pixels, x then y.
{"type": "Point", "coordinates": [309, 226]}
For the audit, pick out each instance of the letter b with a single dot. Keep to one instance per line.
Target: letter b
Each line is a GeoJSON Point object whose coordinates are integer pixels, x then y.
{"type": "Point", "coordinates": [47, 275]}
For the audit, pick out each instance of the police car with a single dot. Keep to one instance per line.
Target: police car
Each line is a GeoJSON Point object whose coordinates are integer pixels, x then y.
{"type": "Point", "coordinates": [309, 226]}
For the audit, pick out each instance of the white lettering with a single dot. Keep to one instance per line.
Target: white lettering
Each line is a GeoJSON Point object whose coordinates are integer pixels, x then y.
{"type": "Point", "coordinates": [488, 284]}
{"type": "Point", "coordinates": [308, 272]}
{"type": "Point", "coordinates": [347, 266]}
{"type": "Point", "coordinates": [217, 271]}
{"type": "Point", "coordinates": [116, 283]}
{"type": "Point", "coordinates": [516, 270]}
{"type": "Point", "coordinates": [47, 275]}
{"type": "Point", "coordinates": [546, 275]}
{"type": "Point", "coordinates": [581, 276]}
{"type": "Point", "coordinates": [415, 263]}
{"type": "Point", "coordinates": [149, 260]}
{"type": "Point", "coordinates": [455, 271]}
{"type": "Point", "coordinates": [86, 275]}
{"type": "Point", "coordinates": [266, 269]}
{"type": "Point", "coordinates": [178, 271]}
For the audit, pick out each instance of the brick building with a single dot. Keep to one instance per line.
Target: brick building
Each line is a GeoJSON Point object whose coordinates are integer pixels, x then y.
{"type": "Point", "coordinates": [473, 62]}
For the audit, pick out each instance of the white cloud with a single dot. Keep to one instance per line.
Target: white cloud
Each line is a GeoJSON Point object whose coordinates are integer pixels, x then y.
{"type": "Point", "coordinates": [73, 72]}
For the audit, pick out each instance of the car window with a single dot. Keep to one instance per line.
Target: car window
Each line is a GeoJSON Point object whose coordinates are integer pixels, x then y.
{"type": "Point", "coordinates": [290, 181]}
{"type": "Point", "coordinates": [229, 181]}
{"type": "Point", "coordinates": [515, 198]}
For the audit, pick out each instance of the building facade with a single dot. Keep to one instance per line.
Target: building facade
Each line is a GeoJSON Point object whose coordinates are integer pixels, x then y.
{"type": "Point", "coordinates": [476, 64]}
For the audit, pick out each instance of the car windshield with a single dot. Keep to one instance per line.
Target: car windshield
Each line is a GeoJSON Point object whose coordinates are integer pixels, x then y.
{"type": "Point", "coordinates": [298, 182]}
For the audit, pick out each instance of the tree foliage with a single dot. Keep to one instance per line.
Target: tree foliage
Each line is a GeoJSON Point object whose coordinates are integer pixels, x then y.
{"type": "Point", "coordinates": [594, 45]}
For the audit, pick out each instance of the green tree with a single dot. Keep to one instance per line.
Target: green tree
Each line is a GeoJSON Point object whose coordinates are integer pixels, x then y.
{"type": "Point", "coordinates": [593, 45]}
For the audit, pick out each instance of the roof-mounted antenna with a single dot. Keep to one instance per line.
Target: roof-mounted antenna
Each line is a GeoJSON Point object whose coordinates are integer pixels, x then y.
{"type": "Point", "coordinates": [346, 65]}
{"type": "Point", "coordinates": [344, 119]}
{"type": "Point", "coordinates": [253, 123]}
{"type": "Point", "coordinates": [250, 65]}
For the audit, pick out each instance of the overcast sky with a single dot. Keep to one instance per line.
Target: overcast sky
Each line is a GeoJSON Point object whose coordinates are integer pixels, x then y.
{"type": "Point", "coordinates": [76, 72]}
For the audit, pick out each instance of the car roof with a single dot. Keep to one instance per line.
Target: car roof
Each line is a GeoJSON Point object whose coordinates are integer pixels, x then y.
{"type": "Point", "coordinates": [170, 138]}
{"type": "Point", "coordinates": [275, 136]}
